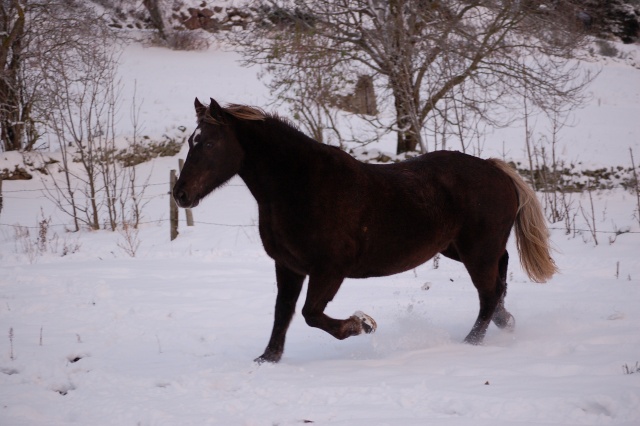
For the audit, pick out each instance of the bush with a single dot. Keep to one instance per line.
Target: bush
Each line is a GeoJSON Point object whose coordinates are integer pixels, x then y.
{"type": "Point", "coordinates": [607, 49]}
{"type": "Point", "coordinates": [626, 369]}
{"type": "Point", "coordinates": [142, 152]}
{"type": "Point", "coordinates": [182, 40]}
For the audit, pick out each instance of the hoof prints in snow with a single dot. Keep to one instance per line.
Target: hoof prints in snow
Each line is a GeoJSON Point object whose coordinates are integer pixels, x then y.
{"type": "Point", "coordinates": [9, 371]}
{"type": "Point", "coordinates": [75, 358]}
{"type": "Point", "coordinates": [63, 390]}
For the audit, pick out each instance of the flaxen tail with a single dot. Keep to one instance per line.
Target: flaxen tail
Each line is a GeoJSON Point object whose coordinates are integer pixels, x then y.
{"type": "Point", "coordinates": [532, 235]}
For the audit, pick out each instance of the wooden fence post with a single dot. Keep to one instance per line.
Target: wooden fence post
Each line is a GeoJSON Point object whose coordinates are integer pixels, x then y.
{"type": "Point", "coordinates": [173, 207]}
{"type": "Point", "coordinates": [188, 212]}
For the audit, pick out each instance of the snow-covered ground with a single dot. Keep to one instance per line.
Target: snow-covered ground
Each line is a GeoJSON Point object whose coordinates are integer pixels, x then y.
{"type": "Point", "coordinates": [97, 337]}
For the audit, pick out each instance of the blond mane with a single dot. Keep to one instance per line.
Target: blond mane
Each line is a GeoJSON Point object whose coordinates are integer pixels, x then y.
{"type": "Point", "coordinates": [243, 112]}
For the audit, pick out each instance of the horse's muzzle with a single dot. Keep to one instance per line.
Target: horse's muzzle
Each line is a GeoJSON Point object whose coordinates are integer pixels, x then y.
{"type": "Point", "coordinates": [183, 199]}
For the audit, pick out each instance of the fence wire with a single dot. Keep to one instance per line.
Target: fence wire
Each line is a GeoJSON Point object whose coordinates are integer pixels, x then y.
{"type": "Point", "coordinates": [229, 225]}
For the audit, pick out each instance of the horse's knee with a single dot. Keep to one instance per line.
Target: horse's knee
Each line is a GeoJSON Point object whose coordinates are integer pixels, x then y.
{"type": "Point", "coordinates": [312, 318]}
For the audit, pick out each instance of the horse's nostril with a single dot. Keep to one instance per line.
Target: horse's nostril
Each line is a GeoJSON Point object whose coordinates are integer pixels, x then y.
{"type": "Point", "coordinates": [180, 195]}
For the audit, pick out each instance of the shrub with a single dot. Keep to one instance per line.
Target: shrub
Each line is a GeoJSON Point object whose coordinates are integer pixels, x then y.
{"type": "Point", "coordinates": [182, 40]}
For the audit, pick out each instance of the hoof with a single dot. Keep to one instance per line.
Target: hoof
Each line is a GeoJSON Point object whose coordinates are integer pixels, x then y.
{"type": "Point", "coordinates": [472, 341]}
{"type": "Point", "coordinates": [268, 356]}
{"type": "Point", "coordinates": [505, 321]}
{"type": "Point", "coordinates": [510, 324]}
{"type": "Point", "coordinates": [367, 323]}
{"type": "Point", "coordinates": [474, 338]}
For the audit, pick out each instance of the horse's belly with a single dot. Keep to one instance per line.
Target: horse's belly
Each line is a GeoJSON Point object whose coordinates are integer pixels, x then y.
{"type": "Point", "coordinates": [354, 252]}
{"type": "Point", "coordinates": [380, 265]}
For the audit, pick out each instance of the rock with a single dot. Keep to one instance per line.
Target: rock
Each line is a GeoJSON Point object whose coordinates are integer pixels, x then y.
{"type": "Point", "coordinates": [207, 13]}
{"type": "Point", "coordinates": [192, 23]}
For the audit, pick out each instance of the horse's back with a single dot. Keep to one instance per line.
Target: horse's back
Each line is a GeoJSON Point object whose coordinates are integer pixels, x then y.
{"type": "Point", "coordinates": [474, 191]}
{"type": "Point", "coordinates": [420, 207]}
{"type": "Point", "coordinates": [459, 180]}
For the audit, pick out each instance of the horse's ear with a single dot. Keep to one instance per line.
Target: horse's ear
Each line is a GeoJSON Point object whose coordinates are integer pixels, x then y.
{"type": "Point", "coordinates": [215, 110]}
{"type": "Point", "coordinates": [200, 109]}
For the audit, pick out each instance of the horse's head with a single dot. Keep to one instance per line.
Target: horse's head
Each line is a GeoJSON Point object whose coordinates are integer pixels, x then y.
{"type": "Point", "coordinates": [214, 157]}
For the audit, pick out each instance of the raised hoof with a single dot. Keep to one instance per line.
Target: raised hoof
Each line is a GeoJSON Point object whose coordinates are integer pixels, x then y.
{"type": "Point", "coordinates": [368, 324]}
{"type": "Point", "coordinates": [505, 321]}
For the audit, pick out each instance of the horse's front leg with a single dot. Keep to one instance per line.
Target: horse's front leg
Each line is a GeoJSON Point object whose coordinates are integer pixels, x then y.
{"type": "Point", "coordinates": [289, 286]}
{"type": "Point", "coordinates": [322, 290]}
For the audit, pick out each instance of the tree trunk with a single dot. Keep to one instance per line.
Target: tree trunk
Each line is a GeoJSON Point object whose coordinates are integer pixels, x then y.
{"type": "Point", "coordinates": [155, 12]}
{"type": "Point", "coordinates": [408, 135]}
{"type": "Point", "coordinates": [10, 64]}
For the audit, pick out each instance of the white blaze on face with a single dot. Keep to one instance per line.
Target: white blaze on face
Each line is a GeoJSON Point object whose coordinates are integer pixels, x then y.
{"type": "Point", "coordinates": [195, 137]}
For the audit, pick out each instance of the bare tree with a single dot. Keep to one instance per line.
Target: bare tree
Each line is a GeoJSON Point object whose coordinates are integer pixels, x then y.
{"type": "Point", "coordinates": [82, 106]}
{"type": "Point", "coordinates": [426, 54]}
{"type": "Point", "coordinates": [60, 75]}
{"type": "Point", "coordinates": [33, 33]}
{"type": "Point", "coordinates": [308, 88]}
{"type": "Point", "coordinates": [131, 197]}
{"type": "Point", "coordinates": [96, 186]}
{"type": "Point", "coordinates": [14, 109]}
{"type": "Point", "coordinates": [77, 101]}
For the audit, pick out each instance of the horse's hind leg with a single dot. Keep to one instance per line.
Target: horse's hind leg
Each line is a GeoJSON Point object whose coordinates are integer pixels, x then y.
{"type": "Point", "coordinates": [321, 291]}
{"type": "Point", "coordinates": [501, 317]}
{"type": "Point", "coordinates": [289, 287]}
{"type": "Point", "coordinates": [490, 286]}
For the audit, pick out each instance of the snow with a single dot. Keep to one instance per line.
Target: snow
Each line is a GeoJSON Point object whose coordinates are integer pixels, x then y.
{"type": "Point", "coordinates": [97, 337]}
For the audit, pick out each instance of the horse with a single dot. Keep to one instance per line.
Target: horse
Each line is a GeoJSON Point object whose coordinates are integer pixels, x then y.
{"type": "Point", "coordinates": [325, 215]}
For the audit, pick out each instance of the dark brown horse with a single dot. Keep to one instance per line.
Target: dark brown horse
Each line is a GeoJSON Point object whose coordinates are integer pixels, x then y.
{"type": "Point", "coordinates": [325, 215]}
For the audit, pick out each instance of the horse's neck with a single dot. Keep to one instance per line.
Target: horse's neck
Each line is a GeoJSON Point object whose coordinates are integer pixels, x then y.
{"type": "Point", "coordinates": [276, 159]}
